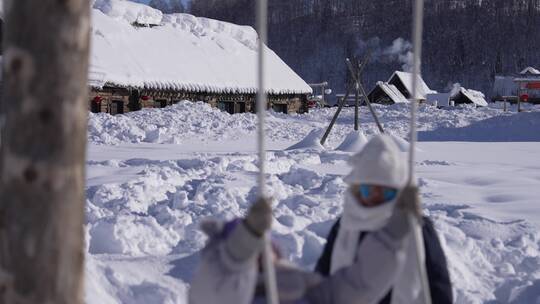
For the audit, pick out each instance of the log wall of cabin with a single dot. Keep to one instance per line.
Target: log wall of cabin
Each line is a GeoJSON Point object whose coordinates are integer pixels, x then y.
{"type": "Point", "coordinates": [133, 99]}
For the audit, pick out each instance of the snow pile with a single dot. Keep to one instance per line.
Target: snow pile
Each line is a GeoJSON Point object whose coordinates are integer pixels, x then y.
{"type": "Point", "coordinates": [500, 128]}
{"type": "Point", "coordinates": [143, 225]}
{"type": "Point", "coordinates": [354, 142]}
{"type": "Point", "coordinates": [129, 12]}
{"type": "Point", "coordinates": [169, 125]}
{"type": "Point", "coordinates": [402, 144]}
{"type": "Point", "coordinates": [311, 141]}
{"type": "Point", "coordinates": [488, 259]}
{"type": "Point", "coordinates": [182, 53]}
{"type": "Point", "coordinates": [198, 121]}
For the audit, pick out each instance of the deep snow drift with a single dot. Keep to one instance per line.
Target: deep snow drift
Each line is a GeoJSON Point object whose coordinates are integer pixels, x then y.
{"type": "Point", "coordinates": [186, 121]}
{"type": "Point", "coordinates": [154, 174]}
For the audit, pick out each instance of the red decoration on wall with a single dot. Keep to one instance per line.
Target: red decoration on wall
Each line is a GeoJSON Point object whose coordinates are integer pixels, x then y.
{"type": "Point", "coordinates": [533, 85]}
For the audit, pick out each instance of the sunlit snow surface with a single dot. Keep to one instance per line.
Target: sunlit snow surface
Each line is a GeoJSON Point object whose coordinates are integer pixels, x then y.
{"type": "Point", "coordinates": [154, 174]}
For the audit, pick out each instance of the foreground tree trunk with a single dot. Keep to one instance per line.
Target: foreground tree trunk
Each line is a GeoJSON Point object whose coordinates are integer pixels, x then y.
{"type": "Point", "coordinates": [43, 121]}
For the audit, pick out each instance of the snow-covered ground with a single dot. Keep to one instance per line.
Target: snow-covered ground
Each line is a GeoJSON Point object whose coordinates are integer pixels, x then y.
{"type": "Point", "coordinates": [154, 174]}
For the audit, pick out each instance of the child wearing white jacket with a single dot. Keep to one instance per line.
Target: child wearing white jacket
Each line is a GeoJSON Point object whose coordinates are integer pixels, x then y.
{"type": "Point", "coordinates": [229, 270]}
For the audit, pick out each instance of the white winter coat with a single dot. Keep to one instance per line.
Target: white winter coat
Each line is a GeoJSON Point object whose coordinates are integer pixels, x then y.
{"type": "Point", "coordinates": [379, 163]}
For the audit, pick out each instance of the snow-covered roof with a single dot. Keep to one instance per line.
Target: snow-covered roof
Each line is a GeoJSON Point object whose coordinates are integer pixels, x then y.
{"type": "Point", "coordinates": [182, 53]}
{"type": "Point", "coordinates": [392, 92]}
{"type": "Point", "coordinates": [407, 79]}
{"type": "Point", "coordinates": [475, 97]}
{"type": "Point", "coordinates": [530, 70]}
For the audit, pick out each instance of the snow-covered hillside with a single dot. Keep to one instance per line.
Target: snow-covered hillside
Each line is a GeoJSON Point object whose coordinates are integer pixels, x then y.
{"type": "Point", "coordinates": [154, 174]}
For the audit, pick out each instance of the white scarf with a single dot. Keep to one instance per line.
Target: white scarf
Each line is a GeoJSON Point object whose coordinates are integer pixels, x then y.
{"type": "Point", "coordinates": [356, 219]}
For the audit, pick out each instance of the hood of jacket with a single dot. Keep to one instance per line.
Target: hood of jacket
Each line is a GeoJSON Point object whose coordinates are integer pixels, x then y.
{"type": "Point", "coordinates": [379, 163]}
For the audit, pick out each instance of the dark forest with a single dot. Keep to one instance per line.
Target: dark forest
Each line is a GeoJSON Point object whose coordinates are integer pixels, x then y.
{"type": "Point", "coordinates": [465, 41]}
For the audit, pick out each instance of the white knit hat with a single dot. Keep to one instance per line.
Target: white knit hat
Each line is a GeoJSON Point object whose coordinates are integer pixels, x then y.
{"type": "Point", "coordinates": [379, 163]}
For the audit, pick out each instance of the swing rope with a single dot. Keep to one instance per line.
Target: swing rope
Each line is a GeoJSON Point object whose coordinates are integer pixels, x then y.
{"type": "Point", "coordinates": [269, 271]}
{"type": "Point", "coordinates": [268, 265]}
{"type": "Point", "coordinates": [418, 15]}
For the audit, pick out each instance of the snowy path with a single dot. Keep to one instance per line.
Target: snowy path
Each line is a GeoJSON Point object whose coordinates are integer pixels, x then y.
{"type": "Point", "coordinates": [145, 202]}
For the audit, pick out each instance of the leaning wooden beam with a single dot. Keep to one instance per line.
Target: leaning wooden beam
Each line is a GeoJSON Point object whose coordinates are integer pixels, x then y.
{"type": "Point", "coordinates": [331, 125]}
{"type": "Point", "coordinates": [42, 153]}
{"type": "Point", "coordinates": [364, 63]}
{"type": "Point", "coordinates": [356, 105]}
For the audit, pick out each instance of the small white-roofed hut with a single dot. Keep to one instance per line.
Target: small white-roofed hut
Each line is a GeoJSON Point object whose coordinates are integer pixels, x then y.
{"type": "Point", "coordinates": [468, 96]}
{"type": "Point", "coordinates": [385, 93]}
{"type": "Point", "coordinates": [398, 89]}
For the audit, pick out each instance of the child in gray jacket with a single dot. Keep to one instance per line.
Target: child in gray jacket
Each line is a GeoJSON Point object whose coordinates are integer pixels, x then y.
{"type": "Point", "coordinates": [229, 271]}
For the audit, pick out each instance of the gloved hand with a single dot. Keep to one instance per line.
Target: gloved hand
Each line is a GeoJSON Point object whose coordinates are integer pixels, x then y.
{"type": "Point", "coordinates": [246, 241]}
{"type": "Point", "coordinates": [409, 200]}
{"type": "Point", "coordinates": [293, 282]}
{"type": "Point", "coordinates": [407, 203]}
{"type": "Point", "coordinates": [259, 217]}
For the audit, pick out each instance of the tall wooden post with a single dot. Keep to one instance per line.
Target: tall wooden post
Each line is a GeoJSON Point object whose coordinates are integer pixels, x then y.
{"type": "Point", "coordinates": [323, 102]}
{"type": "Point", "coordinates": [356, 105]}
{"type": "Point", "coordinates": [519, 98]}
{"type": "Point", "coordinates": [43, 112]}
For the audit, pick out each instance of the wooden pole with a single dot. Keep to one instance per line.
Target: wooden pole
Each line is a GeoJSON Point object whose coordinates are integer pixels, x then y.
{"type": "Point", "coordinates": [519, 98]}
{"type": "Point", "coordinates": [331, 125]}
{"type": "Point", "coordinates": [375, 117]}
{"type": "Point", "coordinates": [42, 153]}
{"type": "Point", "coordinates": [323, 102]}
{"type": "Point", "coordinates": [417, 30]}
{"type": "Point", "coordinates": [269, 271]}
{"type": "Point", "coordinates": [356, 105]}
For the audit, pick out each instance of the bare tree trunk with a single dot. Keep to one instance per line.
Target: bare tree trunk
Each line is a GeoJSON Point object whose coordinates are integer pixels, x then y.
{"type": "Point", "coordinates": [43, 120]}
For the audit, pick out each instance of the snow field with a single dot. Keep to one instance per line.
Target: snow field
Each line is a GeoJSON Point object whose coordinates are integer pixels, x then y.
{"type": "Point", "coordinates": [145, 201]}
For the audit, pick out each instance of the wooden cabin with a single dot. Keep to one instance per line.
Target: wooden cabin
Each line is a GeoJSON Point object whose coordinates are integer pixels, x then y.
{"type": "Point", "coordinates": [116, 100]}
{"type": "Point", "coordinates": [155, 62]}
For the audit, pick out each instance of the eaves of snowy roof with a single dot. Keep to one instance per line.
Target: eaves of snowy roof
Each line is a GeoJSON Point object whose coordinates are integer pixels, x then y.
{"type": "Point", "coordinates": [527, 79]}
{"type": "Point", "coordinates": [530, 70]}
{"type": "Point", "coordinates": [407, 79]}
{"type": "Point", "coordinates": [392, 92]}
{"type": "Point", "coordinates": [182, 53]}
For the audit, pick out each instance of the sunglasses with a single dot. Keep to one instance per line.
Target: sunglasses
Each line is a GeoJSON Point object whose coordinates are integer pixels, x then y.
{"type": "Point", "coordinates": [367, 190]}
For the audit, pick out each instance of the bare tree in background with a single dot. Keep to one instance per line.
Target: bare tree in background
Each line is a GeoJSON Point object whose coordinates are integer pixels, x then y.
{"type": "Point", "coordinates": [43, 121]}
